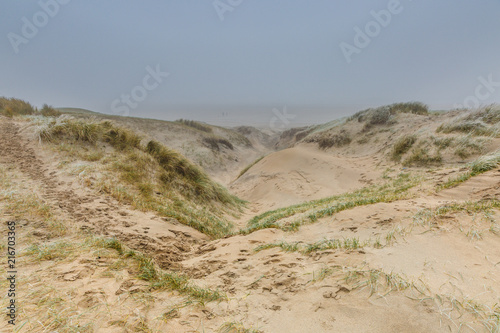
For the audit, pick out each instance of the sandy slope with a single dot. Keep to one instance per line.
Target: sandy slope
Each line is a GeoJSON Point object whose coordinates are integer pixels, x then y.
{"type": "Point", "coordinates": [302, 173]}
{"type": "Point", "coordinates": [273, 290]}
{"type": "Point", "coordinates": [222, 164]}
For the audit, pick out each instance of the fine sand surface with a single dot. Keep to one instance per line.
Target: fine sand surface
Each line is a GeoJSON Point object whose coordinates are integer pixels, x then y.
{"type": "Point", "coordinates": [436, 275]}
{"type": "Point", "coordinates": [302, 173]}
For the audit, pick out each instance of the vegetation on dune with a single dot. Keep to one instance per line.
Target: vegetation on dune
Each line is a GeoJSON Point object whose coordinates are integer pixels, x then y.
{"type": "Point", "coordinates": [46, 303]}
{"type": "Point", "coordinates": [50, 307]}
{"type": "Point", "coordinates": [381, 115]}
{"type": "Point", "coordinates": [293, 135]}
{"type": "Point", "coordinates": [402, 145]}
{"type": "Point", "coordinates": [322, 245]}
{"type": "Point", "coordinates": [51, 251]}
{"type": "Point", "coordinates": [10, 107]}
{"type": "Point", "coordinates": [176, 165]}
{"type": "Point", "coordinates": [150, 176]}
{"type": "Point", "coordinates": [466, 146]}
{"type": "Point", "coordinates": [483, 122]}
{"type": "Point", "coordinates": [327, 140]}
{"type": "Point", "coordinates": [442, 143]}
{"type": "Point", "coordinates": [426, 216]}
{"type": "Point", "coordinates": [49, 111]}
{"type": "Point", "coordinates": [489, 114]}
{"type": "Point", "coordinates": [311, 211]}
{"type": "Point", "coordinates": [215, 142]}
{"type": "Point", "coordinates": [250, 165]}
{"type": "Point", "coordinates": [194, 124]}
{"type": "Point", "coordinates": [13, 106]}
{"type": "Point", "coordinates": [336, 136]}
{"type": "Point", "coordinates": [485, 163]}
{"type": "Point", "coordinates": [335, 140]}
{"type": "Point", "coordinates": [158, 278]}
{"type": "Point", "coordinates": [427, 151]}
{"type": "Point", "coordinates": [236, 327]}
{"type": "Point", "coordinates": [409, 107]}
{"type": "Point", "coordinates": [415, 149]}
{"type": "Point", "coordinates": [420, 156]}
{"type": "Point", "coordinates": [473, 128]}
{"type": "Point", "coordinates": [90, 132]}
{"type": "Point", "coordinates": [153, 177]}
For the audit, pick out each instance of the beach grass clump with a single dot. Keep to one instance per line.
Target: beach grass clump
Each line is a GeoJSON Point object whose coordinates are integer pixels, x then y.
{"type": "Point", "coordinates": [483, 164]}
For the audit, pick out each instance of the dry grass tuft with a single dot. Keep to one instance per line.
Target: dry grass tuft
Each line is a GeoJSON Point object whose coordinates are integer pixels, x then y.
{"type": "Point", "coordinates": [310, 212]}
{"type": "Point", "coordinates": [402, 146]}
{"type": "Point", "coordinates": [335, 140]}
{"type": "Point", "coordinates": [215, 143]}
{"type": "Point", "coordinates": [196, 125]}
{"type": "Point", "coordinates": [420, 157]}
{"type": "Point", "coordinates": [485, 163]}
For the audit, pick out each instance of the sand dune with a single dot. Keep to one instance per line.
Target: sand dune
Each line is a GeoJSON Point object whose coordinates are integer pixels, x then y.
{"type": "Point", "coordinates": [395, 251]}
{"type": "Point", "coordinates": [302, 173]}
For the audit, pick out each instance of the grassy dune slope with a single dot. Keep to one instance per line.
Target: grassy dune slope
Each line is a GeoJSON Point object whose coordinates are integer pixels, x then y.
{"type": "Point", "coordinates": [143, 173]}
{"type": "Point", "coordinates": [219, 151]}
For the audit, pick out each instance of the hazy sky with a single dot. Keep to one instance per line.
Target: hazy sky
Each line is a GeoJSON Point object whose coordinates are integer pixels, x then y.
{"type": "Point", "coordinates": [241, 58]}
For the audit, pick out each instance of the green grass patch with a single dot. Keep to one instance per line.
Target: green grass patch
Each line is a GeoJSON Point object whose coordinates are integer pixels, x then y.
{"type": "Point", "coordinates": [53, 251]}
{"type": "Point", "coordinates": [322, 245]}
{"type": "Point", "coordinates": [311, 211]}
{"type": "Point", "coordinates": [159, 279]}
{"type": "Point", "coordinates": [236, 327]}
